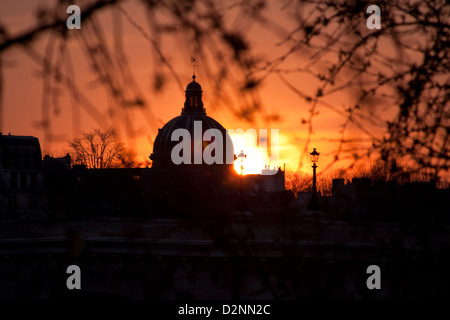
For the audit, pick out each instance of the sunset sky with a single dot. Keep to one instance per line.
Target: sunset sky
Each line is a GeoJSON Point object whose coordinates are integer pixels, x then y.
{"type": "Point", "coordinates": [23, 90]}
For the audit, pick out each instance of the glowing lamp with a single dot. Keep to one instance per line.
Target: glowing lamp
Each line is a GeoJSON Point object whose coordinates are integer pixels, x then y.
{"type": "Point", "coordinates": [314, 156]}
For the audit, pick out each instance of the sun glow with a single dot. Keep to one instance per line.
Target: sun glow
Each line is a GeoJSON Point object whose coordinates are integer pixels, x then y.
{"type": "Point", "coordinates": [256, 158]}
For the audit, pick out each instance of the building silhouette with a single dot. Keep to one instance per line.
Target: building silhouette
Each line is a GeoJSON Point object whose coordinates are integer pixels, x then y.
{"type": "Point", "coordinates": [199, 231]}
{"type": "Point", "coordinates": [21, 176]}
{"type": "Point", "coordinates": [192, 112]}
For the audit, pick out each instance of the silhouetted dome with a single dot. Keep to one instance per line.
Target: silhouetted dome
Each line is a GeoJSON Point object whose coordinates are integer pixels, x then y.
{"type": "Point", "coordinates": [193, 86]}
{"type": "Point", "coordinates": [193, 111]}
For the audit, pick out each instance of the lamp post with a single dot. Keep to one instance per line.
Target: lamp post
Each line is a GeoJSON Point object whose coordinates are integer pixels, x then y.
{"type": "Point", "coordinates": [241, 203]}
{"type": "Point", "coordinates": [314, 202]}
{"type": "Point", "coordinates": [241, 156]}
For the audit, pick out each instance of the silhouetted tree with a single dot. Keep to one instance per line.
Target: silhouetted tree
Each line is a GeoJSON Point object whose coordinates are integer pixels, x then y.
{"type": "Point", "coordinates": [402, 67]}
{"type": "Point", "coordinates": [298, 181]}
{"type": "Point", "coordinates": [97, 149]}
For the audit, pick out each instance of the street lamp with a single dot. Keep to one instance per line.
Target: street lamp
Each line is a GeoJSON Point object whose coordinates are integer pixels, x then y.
{"type": "Point", "coordinates": [314, 203]}
{"type": "Point", "coordinates": [241, 156]}
{"type": "Point", "coordinates": [314, 156]}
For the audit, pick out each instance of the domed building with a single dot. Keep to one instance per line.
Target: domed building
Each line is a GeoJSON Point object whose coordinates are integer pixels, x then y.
{"type": "Point", "coordinates": [194, 185]}
{"type": "Point", "coordinates": [194, 121]}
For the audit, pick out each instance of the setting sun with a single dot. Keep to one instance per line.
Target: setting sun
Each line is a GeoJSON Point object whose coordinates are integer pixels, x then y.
{"type": "Point", "coordinates": [253, 152]}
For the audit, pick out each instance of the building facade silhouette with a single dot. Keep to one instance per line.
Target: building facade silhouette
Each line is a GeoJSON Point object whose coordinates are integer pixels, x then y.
{"type": "Point", "coordinates": [197, 231]}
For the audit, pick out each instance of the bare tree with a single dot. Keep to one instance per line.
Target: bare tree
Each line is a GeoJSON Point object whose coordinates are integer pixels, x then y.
{"type": "Point", "coordinates": [97, 149]}
{"type": "Point", "coordinates": [402, 67]}
{"type": "Point", "coordinates": [298, 181]}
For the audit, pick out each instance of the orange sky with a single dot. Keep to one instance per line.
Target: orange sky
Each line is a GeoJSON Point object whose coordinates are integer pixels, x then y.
{"type": "Point", "coordinates": [23, 88]}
